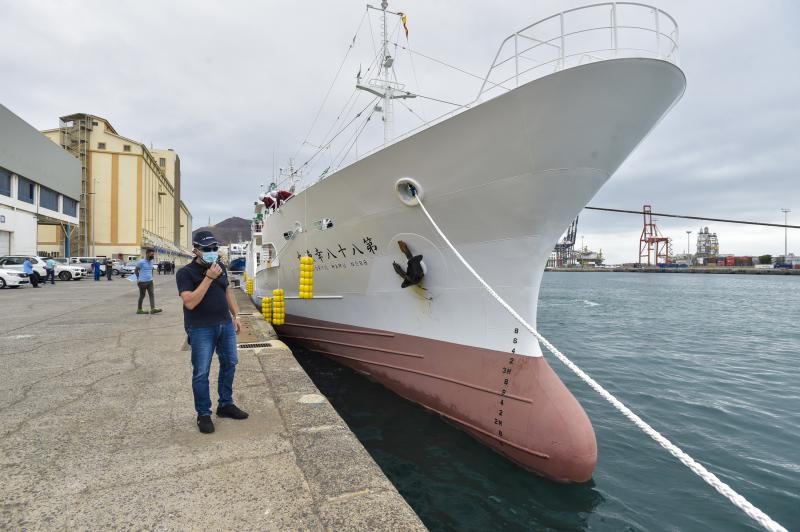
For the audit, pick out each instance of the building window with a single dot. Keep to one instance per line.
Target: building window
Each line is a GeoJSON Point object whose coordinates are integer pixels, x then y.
{"type": "Point", "coordinates": [162, 162]}
{"type": "Point", "coordinates": [94, 123]}
{"type": "Point", "coordinates": [48, 198]}
{"type": "Point", "coordinates": [126, 147]}
{"type": "Point", "coordinates": [5, 182]}
{"type": "Point", "coordinates": [70, 207]}
{"type": "Point", "coordinates": [25, 188]}
{"type": "Point", "coordinates": [101, 145]}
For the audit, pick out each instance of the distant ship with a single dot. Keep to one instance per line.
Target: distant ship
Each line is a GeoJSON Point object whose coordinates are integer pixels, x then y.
{"type": "Point", "coordinates": [503, 177]}
{"type": "Point", "coordinates": [237, 259]}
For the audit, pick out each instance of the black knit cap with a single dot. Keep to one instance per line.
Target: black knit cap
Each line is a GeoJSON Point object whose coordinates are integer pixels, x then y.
{"type": "Point", "coordinates": [204, 239]}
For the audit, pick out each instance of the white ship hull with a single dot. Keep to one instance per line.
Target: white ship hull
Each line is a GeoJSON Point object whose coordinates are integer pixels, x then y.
{"type": "Point", "coordinates": [502, 180]}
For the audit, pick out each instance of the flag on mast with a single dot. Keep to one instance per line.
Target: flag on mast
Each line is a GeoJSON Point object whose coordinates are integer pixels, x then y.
{"type": "Point", "coordinates": [405, 22]}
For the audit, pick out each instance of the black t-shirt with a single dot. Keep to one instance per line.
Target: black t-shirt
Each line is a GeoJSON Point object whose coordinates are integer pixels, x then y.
{"type": "Point", "coordinates": [213, 309]}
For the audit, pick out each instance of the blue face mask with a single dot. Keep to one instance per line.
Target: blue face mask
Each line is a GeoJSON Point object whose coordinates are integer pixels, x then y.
{"type": "Point", "coordinates": [210, 257]}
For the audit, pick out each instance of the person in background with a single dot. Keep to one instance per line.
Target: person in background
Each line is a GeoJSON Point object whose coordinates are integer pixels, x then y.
{"type": "Point", "coordinates": [160, 267]}
{"type": "Point", "coordinates": [144, 280]}
{"type": "Point", "coordinates": [275, 198]}
{"type": "Point", "coordinates": [27, 267]}
{"type": "Point", "coordinates": [96, 269]}
{"type": "Point", "coordinates": [51, 271]}
{"type": "Point", "coordinates": [212, 323]}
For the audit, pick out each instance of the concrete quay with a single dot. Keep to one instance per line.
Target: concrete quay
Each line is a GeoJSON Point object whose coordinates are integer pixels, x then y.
{"type": "Point", "coordinates": [99, 430]}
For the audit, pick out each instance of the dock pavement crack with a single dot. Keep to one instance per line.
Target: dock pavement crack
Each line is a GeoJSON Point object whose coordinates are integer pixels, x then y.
{"type": "Point", "coordinates": [79, 338]}
{"type": "Point", "coordinates": [179, 472]}
{"type": "Point", "coordinates": [73, 310]}
{"type": "Point", "coordinates": [89, 388]}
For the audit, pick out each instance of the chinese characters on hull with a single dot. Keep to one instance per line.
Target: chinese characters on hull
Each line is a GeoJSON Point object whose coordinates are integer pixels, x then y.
{"type": "Point", "coordinates": [336, 257]}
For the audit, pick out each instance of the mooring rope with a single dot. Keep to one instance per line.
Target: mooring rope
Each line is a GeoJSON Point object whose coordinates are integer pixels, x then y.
{"type": "Point", "coordinates": [754, 513]}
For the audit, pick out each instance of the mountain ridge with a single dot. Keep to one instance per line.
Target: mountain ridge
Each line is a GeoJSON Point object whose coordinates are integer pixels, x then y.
{"type": "Point", "coordinates": [229, 230]}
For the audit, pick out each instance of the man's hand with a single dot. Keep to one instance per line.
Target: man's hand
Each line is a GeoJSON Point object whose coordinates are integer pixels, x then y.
{"type": "Point", "coordinates": [214, 271]}
{"type": "Point", "coordinates": [238, 324]}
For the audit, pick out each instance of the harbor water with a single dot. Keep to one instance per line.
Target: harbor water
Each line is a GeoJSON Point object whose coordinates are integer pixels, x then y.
{"type": "Point", "coordinates": [710, 361]}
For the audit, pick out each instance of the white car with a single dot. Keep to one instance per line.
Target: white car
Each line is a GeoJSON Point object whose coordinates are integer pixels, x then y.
{"type": "Point", "coordinates": [86, 263]}
{"type": "Point", "coordinates": [12, 278]}
{"type": "Point", "coordinates": [68, 272]}
{"type": "Point", "coordinates": [15, 262]}
{"type": "Point", "coordinates": [65, 272]}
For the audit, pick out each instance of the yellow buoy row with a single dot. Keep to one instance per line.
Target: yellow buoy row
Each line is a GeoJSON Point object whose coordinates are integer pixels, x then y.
{"type": "Point", "coordinates": [306, 277]}
{"type": "Point", "coordinates": [249, 287]}
{"type": "Point", "coordinates": [278, 307]}
{"type": "Point", "coordinates": [266, 308]}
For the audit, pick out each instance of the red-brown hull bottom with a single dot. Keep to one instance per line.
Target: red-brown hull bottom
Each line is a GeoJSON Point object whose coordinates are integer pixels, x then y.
{"type": "Point", "coordinates": [514, 404]}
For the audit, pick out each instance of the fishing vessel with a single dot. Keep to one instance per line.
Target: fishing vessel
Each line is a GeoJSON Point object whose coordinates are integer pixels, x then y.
{"type": "Point", "coordinates": [565, 101]}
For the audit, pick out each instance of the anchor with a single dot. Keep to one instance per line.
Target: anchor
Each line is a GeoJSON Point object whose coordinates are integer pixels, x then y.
{"type": "Point", "coordinates": [413, 273]}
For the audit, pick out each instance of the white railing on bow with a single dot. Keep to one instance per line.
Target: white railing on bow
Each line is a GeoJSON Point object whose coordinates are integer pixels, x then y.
{"type": "Point", "coordinates": [573, 37]}
{"type": "Point", "coordinates": [569, 39]}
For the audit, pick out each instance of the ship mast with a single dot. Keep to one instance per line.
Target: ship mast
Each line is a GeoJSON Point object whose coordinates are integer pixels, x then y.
{"type": "Point", "coordinates": [384, 87]}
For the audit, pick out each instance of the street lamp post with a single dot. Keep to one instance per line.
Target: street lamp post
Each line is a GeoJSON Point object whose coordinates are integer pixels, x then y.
{"type": "Point", "coordinates": [688, 244]}
{"type": "Point", "coordinates": [785, 232]}
{"type": "Point", "coordinates": [94, 212]}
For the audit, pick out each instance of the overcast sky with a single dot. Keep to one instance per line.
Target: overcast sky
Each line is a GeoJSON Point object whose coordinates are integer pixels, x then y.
{"type": "Point", "coordinates": [233, 86]}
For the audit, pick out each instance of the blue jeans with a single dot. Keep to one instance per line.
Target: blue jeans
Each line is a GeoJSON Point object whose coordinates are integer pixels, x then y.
{"type": "Point", "coordinates": [204, 340]}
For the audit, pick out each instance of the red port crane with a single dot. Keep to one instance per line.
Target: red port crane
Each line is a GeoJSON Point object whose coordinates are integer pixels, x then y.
{"type": "Point", "coordinates": [652, 243]}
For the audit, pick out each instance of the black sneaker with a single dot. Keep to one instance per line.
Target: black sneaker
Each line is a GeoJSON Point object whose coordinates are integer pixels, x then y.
{"type": "Point", "coordinates": [232, 411]}
{"type": "Point", "coordinates": [205, 424]}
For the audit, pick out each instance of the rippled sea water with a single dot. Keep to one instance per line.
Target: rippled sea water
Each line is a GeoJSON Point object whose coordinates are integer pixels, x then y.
{"type": "Point", "coordinates": [711, 361]}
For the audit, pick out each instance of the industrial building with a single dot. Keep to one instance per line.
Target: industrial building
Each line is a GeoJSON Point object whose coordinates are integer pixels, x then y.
{"type": "Point", "coordinates": [707, 244]}
{"type": "Point", "coordinates": [40, 189]}
{"type": "Point", "coordinates": [132, 194]}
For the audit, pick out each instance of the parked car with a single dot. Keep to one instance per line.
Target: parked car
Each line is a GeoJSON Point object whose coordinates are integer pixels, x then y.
{"type": "Point", "coordinates": [65, 272]}
{"type": "Point", "coordinates": [15, 262]}
{"type": "Point", "coordinates": [86, 262]}
{"type": "Point", "coordinates": [70, 272]}
{"type": "Point", "coordinates": [12, 278]}
{"type": "Point", "coordinates": [128, 269]}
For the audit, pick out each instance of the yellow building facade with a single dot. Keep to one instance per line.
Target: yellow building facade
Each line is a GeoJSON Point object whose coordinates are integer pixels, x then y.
{"type": "Point", "coordinates": [131, 194]}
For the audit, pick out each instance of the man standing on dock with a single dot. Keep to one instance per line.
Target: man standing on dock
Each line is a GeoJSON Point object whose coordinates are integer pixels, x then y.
{"type": "Point", "coordinates": [211, 320]}
{"type": "Point", "coordinates": [144, 280]}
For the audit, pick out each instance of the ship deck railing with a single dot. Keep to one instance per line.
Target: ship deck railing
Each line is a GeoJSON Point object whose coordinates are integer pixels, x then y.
{"type": "Point", "coordinates": [575, 37]}
{"type": "Point", "coordinates": [565, 40]}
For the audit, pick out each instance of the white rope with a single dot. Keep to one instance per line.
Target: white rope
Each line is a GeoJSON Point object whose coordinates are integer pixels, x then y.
{"type": "Point", "coordinates": [754, 513]}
